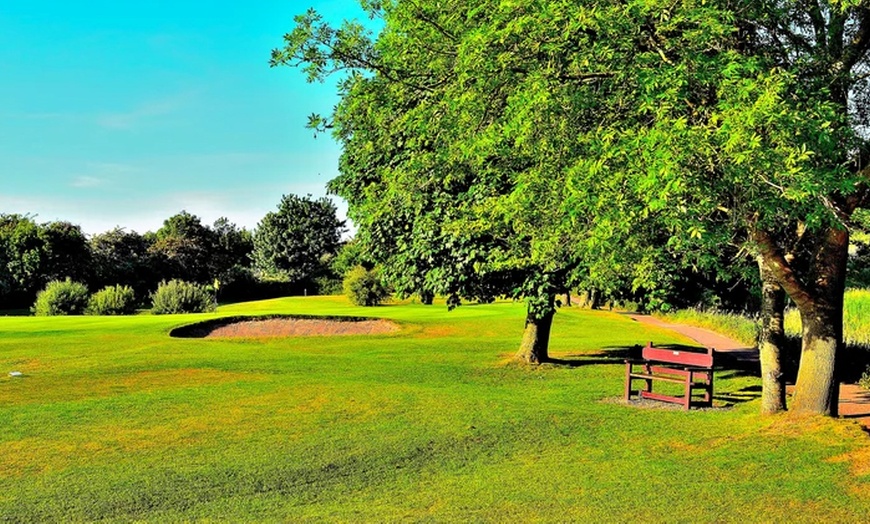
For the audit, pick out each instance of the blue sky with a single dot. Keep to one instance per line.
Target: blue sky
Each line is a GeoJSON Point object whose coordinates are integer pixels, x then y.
{"type": "Point", "coordinates": [124, 113]}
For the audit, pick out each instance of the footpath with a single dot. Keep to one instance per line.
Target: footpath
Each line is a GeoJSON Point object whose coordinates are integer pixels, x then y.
{"type": "Point", "coordinates": [854, 400]}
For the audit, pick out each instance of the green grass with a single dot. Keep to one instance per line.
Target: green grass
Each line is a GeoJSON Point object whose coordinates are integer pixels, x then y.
{"type": "Point", "coordinates": [117, 421]}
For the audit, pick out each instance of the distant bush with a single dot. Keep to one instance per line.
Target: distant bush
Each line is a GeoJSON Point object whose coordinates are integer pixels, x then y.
{"type": "Point", "coordinates": [61, 297]}
{"type": "Point", "coordinates": [328, 286]}
{"type": "Point", "coordinates": [364, 287]}
{"type": "Point", "coordinates": [113, 300]}
{"type": "Point", "coordinates": [177, 296]}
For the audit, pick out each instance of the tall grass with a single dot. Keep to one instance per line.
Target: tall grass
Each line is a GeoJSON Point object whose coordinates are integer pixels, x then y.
{"type": "Point", "coordinates": [856, 319]}
{"type": "Point", "coordinates": [739, 327]}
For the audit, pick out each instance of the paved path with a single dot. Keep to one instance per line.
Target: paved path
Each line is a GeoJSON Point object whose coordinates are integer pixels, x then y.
{"type": "Point", "coordinates": [854, 400]}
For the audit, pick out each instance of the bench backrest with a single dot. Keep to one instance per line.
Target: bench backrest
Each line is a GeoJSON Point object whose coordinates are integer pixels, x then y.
{"type": "Point", "coordinates": [685, 358]}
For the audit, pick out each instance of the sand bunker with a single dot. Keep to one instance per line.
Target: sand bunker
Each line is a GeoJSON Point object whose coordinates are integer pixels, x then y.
{"type": "Point", "coordinates": [248, 327]}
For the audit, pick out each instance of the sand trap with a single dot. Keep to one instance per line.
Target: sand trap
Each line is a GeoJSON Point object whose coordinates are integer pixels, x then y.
{"type": "Point", "coordinates": [284, 327]}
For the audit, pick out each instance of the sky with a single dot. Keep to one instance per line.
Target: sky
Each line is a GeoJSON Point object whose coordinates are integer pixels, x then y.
{"type": "Point", "coordinates": [120, 113]}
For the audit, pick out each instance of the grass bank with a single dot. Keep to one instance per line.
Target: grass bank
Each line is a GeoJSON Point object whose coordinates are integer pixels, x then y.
{"type": "Point", "coordinates": [116, 421]}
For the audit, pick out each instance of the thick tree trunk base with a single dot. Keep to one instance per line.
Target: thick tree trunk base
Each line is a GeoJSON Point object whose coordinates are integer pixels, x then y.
{"type": "Point", "coordinates": [536, 339]}
{"type": "Point", "coordinates": [816, 390]}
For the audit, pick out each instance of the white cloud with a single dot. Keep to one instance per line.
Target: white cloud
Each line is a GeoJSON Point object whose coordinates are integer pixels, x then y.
{"type": "Point", "coordinates": [86, 181]}
{"type": "Point", "coordinates": [130, 119]}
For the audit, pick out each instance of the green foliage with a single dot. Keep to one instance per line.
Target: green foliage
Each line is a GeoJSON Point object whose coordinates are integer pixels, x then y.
{"type": "Point", "coordinates": [113, 300]}
{"type": "Point", "coordinates": [364, 287]}
{"type": "Point", "coordinates": [61, 297]}
{"type": "Point", "coordinates": [327, 285]}
{"type": "Point", "coordinates": [122, 258]}
{"type": "Point", "coordinates": [297, 242]}
{"type": "Point", "coordinates": [20, 258]}
{"type": "Point", "coordinates": [177, 296]}
{"type": "Point", "coordinates": [183, 248]}
{"type": "Point", "coordinates": [186, 249]}
{"type": "Point", "coordinates": [350, 255]}
{"type": "Point", "coordinates": [864, 381]}
{"type": "Point", "coordinates": [33, 254]}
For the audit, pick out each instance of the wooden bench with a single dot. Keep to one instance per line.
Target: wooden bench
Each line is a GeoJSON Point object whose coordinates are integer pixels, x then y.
{"type": "Point", "coordinates": [692, 369]}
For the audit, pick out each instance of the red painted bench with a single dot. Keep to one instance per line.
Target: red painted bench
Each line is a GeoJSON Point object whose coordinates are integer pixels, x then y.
{"type": "Point", "coordinates": [692, 369]}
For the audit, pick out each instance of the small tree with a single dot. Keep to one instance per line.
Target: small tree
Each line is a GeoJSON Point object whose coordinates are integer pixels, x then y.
{"type": "Point", "coordinates": [364, 287]}
{"type": "Point", "coordinates": [61, 297]}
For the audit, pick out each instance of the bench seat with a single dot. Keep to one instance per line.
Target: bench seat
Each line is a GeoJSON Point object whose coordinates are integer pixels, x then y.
{"type": "Point", "coordinates": [692, 369]}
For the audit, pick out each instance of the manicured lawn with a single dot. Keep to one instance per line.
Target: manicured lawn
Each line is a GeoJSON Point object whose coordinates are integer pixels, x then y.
{"type": "Point", "coordinates": [115, 420]}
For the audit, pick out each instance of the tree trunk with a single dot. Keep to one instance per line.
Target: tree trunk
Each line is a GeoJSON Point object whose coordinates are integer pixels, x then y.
{"type": "Point", "coordinates": [770, 342]}
{"type": "Point", "coordinates": [817, 389]}
{"type": "Point", "coordinates": [594, 299]}
{"type": "Point", "coordinates": [426, 297]}
{"type": "Point", "coordinates": [536, 338]}
{"type": "Point", "coordinates": [819, 297]}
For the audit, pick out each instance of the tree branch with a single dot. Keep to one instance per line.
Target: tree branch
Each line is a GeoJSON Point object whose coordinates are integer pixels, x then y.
{"type": "Point", "coordinates": [818, 20]}
{"type": "Point", "coordinates": [781, 268]}
{"type": "Point", "coordinates": [858, 47]}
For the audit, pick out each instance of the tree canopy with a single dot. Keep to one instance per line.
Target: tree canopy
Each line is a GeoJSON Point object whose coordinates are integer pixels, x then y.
{"type": "Point", "coordinates": [296, 242]}
{"type": "Point", "coordinates": [510, 148]}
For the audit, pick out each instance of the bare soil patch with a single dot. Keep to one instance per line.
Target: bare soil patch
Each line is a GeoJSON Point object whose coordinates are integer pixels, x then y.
{"type": "Point", "coordinates": [301, 328]}
{"type": "Point", "coordinates": [248, 327]}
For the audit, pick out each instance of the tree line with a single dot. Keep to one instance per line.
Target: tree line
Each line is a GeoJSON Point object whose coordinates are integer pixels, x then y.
{"type": "Point", "coordinates": [290, 252]}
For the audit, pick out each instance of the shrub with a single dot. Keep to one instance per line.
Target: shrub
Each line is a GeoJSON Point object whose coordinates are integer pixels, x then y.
{"type": "Point", "coordinates": [113, 300]}
{"type": "Point", "coordinates": [61, 297]}
{"type": "Point", "coordinates": [177, 296]}
{"type": "Point", "coordinates": [364, 287]}
{"type": "Point", "coordinates": [864, 381]}
{"type": "Point", "coordinates": [328, 286]}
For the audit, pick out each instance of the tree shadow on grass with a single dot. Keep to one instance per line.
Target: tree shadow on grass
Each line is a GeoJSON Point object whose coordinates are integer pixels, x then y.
{"type": "Point", "coordinates": [608, 355]}
{"type": "Point", "coordinates": [612, 355]}
{"type": "Point", "coordinates": [729, 365]}
{"type": "Point", "coordinates": [731, 398]}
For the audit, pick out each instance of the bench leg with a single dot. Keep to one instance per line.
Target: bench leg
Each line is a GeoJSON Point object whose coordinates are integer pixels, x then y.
{"type": "Point", "coordinates": [648, 370]}
{"type": "Point", "coordinates": [627, 381]}
{"type": "Point", "coordinates": [687, 401]}
{"type": "Point", "coordinates": [708, 396]}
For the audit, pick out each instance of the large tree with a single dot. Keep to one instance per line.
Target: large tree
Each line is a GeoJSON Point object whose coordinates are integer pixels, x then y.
{"type": "Point", "coordinates": [122, 258]}
{"type": "Point", "coordinates": [183, 248]}
{"type": "Point", "coordinates": [456, 147]}
{"type": "Point", "coordinates": [33, 254]}
{"type": "Point", "coordinates": [516, 146]}
{"type": "Point", "coordinates": [296, 242]}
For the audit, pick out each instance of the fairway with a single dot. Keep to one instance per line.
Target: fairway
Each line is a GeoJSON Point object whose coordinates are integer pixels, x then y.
{"type": "Point", "coordinates": [115, 420]}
